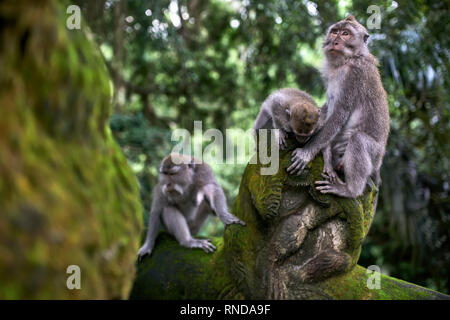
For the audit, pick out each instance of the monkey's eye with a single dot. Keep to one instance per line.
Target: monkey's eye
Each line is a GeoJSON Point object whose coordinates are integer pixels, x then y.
{"type": "Point", "coordinates": [345, 33]}
{"type": "Point", "coordinates": [334, 31]}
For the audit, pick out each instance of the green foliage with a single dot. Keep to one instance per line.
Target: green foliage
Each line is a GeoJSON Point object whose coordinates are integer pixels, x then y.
{"type": "Point", "coordinates": [173, 62]}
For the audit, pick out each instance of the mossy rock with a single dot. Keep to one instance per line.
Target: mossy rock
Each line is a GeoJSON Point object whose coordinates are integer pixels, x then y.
{"type": "Point", "coordinates": [174, 272]}
{"type": "Point", "coordinates": [264, 259]}
{"type": "Point", "coordinates": [67, 195]}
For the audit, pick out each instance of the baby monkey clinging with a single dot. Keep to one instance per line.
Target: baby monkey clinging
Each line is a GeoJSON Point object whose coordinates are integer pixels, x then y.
{"type": "Point", "coordinates": [291, 111]}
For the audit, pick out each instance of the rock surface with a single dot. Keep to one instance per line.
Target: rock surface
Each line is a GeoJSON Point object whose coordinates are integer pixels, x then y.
{"type": "Point", "coordinates": [297, 244]}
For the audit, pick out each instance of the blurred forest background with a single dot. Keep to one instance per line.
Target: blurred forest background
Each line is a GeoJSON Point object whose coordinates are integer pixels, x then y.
{"type": "Point", "coordinates": [176, 61]}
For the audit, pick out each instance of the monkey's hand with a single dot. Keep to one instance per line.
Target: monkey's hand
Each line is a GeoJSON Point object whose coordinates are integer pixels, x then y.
{"type": "Point", "coordinates": [146, 249]}
{"type": "Point", "coordinates": [331, 175]}
{"type": "Point", "coordinates": [282, 136]}
{"type": "Point", "coordinates": [231, 219]}
{"type": "Point", "coordinates": [300, 158]}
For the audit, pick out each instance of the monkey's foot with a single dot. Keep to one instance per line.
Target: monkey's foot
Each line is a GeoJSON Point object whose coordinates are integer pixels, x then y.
{"type": "Point", "coordinates": [338, 188]}
{"type": "Point", "coordinates": [331, 175]}
{"type": "Point", "coordinates": [144, 250]}
{"type": "Point", "coordinates": [204, 244]}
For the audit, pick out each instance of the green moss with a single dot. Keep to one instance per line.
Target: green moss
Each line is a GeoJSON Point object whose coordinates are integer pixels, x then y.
{"type": "Point", "coordinates": [67, 193]}
{"type": "Point", "coordinates": [174, 272]}
{"type": "Point", "coordinates": [353, 285]}
{"type": "Point", "coordinates": [236, 270]}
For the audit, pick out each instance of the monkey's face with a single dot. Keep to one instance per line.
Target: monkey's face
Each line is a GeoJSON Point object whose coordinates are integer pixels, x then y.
{"type": "Point", "coordinates": [175, 177]}
{"type": "Point", "coordinates": [345, 39]}
{"type": "Point", "coordinates": [303, 121]}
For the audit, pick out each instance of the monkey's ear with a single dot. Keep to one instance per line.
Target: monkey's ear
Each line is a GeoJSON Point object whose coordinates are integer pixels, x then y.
{"type": "Point", "coordinates": [366, 36]}
{"type": "Point", "coordinates": [191, 164]}
{"type": "Point", "coordinates": [288, 111]}
{"type": "Point", "coordinates": [350, 18]}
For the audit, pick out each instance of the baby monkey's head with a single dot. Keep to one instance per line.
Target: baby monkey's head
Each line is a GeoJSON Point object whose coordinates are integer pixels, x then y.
{"type": "Point", "coordinates": [304, 117]}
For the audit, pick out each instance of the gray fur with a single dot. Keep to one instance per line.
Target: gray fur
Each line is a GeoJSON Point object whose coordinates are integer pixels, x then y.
{"type": "Point", "coordinates": [185, 195]}
{"type": "Point", "coordinates": [357, 121]}
{"type": "Point", "coordinates": [276, 109]}
{"type": "Point", "coordinates": [275, 106]}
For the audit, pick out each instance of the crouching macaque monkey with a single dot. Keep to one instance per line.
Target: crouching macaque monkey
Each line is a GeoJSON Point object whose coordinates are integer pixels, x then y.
{"type": "Point", "coordinates": [291, 111]}
{"type": "Point", "coordinates": [356, 113]}
{"type": "Point", "coordinates": [186, 193]}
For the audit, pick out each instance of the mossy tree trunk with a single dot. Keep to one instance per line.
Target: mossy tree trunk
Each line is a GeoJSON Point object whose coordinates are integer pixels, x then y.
{"type": "Point", "coordinates": [67, 195]}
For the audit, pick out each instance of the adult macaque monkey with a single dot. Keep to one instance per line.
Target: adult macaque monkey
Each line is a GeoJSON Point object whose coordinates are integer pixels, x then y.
{"type": "Point", "coordinates": [356, 112]}
{"type": "Point", "coordinates": [186, 193]}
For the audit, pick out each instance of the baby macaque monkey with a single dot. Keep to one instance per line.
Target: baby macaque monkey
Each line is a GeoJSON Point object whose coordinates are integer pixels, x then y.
{"type": "Point", "coordinates": [291, 111]}
{"type": "Point", "coordinates": [186, 193]}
